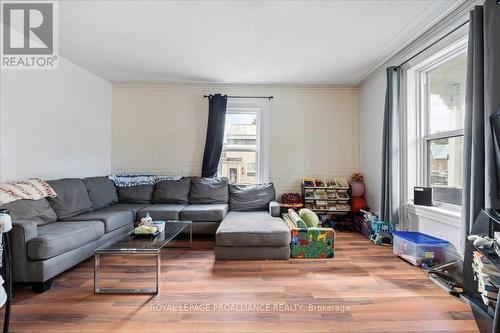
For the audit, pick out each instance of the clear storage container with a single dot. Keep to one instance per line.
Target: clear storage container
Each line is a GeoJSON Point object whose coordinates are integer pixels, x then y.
{"type": "Point", "coordinates": [419, 248]}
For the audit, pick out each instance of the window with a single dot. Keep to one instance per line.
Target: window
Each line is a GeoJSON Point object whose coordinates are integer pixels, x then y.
{"type": "Point", "coordinates": [243, 152]}
{"type": "Point", "coordinates": [251, 169]}
{"type": "Point", "coordinates": [440, 100]}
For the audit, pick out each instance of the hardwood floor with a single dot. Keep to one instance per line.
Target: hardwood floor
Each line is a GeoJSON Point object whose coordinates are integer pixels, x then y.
{"type": "Point", "coordinates": [364, 289]}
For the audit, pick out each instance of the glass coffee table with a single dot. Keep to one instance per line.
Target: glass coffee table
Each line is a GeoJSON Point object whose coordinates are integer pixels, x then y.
{"type": "Point", "coordinates": [147, 246]}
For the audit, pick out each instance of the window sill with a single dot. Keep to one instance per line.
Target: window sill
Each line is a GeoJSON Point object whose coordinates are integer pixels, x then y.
{"type": "Point", "coordinates": [446, 214]}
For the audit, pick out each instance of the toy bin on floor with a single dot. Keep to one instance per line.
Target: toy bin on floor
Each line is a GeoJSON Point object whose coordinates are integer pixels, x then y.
{"type": "Point", "coordinates": [312, 243]}
{"type": "Point", "coordinates": [419, 248]}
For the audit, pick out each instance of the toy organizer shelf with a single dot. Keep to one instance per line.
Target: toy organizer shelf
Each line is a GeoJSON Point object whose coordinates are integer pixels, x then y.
{"type": "Point", "coordinates": [326, 196]}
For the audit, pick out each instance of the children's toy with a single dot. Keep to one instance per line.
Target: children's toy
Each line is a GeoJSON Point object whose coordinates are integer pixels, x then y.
{"type": "Point", "coordinates": [357, 188]}
{"type": "Point", "coordinates": [366, 229]}
{"type": "Point", "coordinates": [382, 231]}
{"type": "Point", "coordinates": [312, 243]}
{"type": "Point", "coordinates": [358, 204]}
{"type": "Point", "coordinates": [319, 182]}
{"type": "Point", "coordinates": [341, 182]}
{"type": "Point", "coordinates": [364, 223]}
{"type": "Point", "coordinates": [330, 182]}
{"type": "Point", "coordinates": [309, 182]}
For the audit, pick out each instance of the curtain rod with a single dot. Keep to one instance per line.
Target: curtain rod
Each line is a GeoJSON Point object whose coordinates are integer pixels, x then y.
{"type": "Point", "coordinates": [266, 97]}
{"type": "Point", "coordinates": [431, 45]}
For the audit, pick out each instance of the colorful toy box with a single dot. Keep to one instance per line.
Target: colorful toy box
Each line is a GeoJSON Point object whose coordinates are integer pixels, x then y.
{"type": "Point", "coordinates": [312, 243]}
{"type": "Point", "coordinates": [419, 248]}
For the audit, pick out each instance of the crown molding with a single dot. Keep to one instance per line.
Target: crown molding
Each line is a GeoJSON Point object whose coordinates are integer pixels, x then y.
{"type": "Point", "coordinates": [233, 88]}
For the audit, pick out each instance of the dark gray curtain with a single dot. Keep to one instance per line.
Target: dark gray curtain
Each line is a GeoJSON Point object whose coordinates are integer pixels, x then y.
{"type": "Point", "coordinates": [215, 134]}
{"type": "Point", "coordinates": [482, 99]}
{"type": "Point", "coordinates": [389, 204]}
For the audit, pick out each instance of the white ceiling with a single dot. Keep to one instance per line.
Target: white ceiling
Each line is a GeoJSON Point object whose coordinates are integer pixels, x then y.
{"type": "Point", "coordinates": [241, 41]}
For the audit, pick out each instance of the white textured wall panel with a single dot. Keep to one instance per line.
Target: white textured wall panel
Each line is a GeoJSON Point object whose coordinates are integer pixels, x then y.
{"type": "Point", "coordinates": [161, 128]}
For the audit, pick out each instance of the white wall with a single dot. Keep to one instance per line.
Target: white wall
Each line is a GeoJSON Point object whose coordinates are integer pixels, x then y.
{"type": "Point", "coordinates": [54, 123]}
{"type": "Point", "coordinates": [161, 128]}
{"type": "Point", "coordinates": [371, 114]}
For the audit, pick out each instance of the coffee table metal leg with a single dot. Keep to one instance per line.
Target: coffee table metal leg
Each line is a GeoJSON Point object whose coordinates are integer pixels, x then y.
{"type": "Point", "coordinates": [97, 266]}
{"type": "Point", "coordinates": [158, 272]}
{"type": "Point", "coordinates": [190, 246]}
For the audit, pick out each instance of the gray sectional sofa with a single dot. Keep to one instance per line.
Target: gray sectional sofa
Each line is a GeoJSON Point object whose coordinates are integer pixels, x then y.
{"type": "Point", "coordinates": [50, 236]}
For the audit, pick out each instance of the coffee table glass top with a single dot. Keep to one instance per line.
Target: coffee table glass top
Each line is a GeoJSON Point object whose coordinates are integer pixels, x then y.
{"type": "Point", "coordinates": [133, 244]}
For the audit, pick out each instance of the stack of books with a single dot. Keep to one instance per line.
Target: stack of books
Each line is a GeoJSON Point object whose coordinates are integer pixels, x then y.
{"type": "Point", "coordinates": [488, 279]}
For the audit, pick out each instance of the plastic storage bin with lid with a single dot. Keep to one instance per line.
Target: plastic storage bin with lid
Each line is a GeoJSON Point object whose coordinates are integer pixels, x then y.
{"type": "Point", "coordinates": [419, 248]}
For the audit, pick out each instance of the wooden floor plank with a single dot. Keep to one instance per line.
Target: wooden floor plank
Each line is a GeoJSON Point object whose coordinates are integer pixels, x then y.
{"type": "Point", "coordinates": [364, 289]}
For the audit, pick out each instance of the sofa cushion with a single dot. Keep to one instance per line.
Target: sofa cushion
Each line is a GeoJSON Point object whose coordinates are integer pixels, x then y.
{"type": "Point", "coordinates": [38, 211]}
{"type": "Point", "coordinates": [111, 220]}
{"type": "Point", "coordinates": [252, 229]}
{"type": "Point", "coordinates": [123, 207]}
{"type": "Point", "coordinates": [204, 213]}
{"type": "Point", "coordinates": [309, 217]}
{"type": "Point", "coordinates": [140, 194]}
{"type": "Point", "coordinates": [161, 212]}
{"type": "Point", "coordinates": [172, 191]}
{"type": "Point", "coordinates": [246, 198]}
{"type": "Point", "coordinates": [60, 237]}
{"type": "Point", "coordinates": [208, 190]}
{"type": "Point", "coordinates": [72, 197]}
{"type": "Point", "coordinates": [102, 191]}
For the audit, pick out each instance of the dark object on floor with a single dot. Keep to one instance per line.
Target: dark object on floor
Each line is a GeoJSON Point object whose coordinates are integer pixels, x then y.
{"type": "Point", "coordinates": [448, 276]}
{"type": "Point", "coordinates": [343, 223]}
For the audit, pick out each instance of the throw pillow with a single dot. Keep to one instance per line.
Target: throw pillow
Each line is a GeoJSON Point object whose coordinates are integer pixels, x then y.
{"type": "Point", "coordinates": [209, 190]}
{"type": "Point", "coordinates": [296, 219]}
{"type": "Point", "coordinates": [309, 217]}
{"type": "Point", "coordinates": [172, 191]}
{"type": "Point", "coordinates": [102, 191]}
{"type": "Point", "coordinates": [245, 198]}
{"type": "Point", "coordinates": [140, 194]}
{"type": "Point", "coordinates": [288, 221]}
{"type": "Point", "coordinates": [72, 197]}
{"type": "Point", "coordinates": [38, 211]}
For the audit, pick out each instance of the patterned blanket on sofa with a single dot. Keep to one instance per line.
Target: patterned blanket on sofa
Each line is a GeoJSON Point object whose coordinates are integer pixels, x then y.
{"type": "Point", "coordinates": [32, 189]}
{"type": "Point", "coordinates": [127, 180]}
